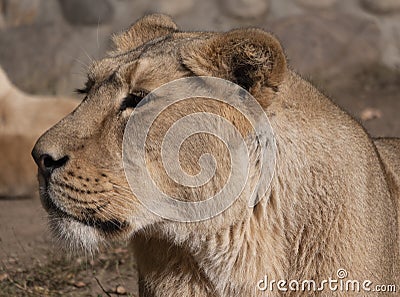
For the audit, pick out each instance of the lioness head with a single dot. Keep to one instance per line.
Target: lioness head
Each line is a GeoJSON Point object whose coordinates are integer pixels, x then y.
{"type": "Point", "coordinates": [82, 181]}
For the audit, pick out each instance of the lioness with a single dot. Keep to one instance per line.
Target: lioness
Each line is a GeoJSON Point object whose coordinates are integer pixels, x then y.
{"type": "Point", "coordinates": [332, 203]}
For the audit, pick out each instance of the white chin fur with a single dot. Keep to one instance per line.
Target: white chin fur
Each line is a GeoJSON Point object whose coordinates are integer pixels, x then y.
{"type": "Point", "coordinates": [74, 236]}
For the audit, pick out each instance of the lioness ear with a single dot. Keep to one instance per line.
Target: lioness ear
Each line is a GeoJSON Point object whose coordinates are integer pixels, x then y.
{"type": "Point", "coordinates": [252, 58]}
{"type": "Point", "coordinates": [147, 28]}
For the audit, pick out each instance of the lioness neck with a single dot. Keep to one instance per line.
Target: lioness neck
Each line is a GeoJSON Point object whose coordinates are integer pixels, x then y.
{"type": "Point", "coordinates": [326, 209]}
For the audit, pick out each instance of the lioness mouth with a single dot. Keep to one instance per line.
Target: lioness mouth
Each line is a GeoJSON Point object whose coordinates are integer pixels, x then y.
{"type": "Point", "coordinates": [109, 226]}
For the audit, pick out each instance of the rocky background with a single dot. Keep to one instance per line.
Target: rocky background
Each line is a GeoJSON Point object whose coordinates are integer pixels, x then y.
{"type": "Point", "coordinates": [346, 47]}
{"type": "Point", "coordinates": [349, 48]}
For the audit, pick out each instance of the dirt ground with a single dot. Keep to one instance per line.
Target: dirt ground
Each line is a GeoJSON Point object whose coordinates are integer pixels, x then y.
{"type": "Point", "coordinates": [31, 265]}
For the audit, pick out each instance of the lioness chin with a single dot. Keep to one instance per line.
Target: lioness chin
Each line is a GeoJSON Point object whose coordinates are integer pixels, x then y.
{"type": "Point", "coordinates": [332, 202]}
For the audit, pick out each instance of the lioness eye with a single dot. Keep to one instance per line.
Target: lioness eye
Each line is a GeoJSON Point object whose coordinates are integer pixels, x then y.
{"type": "Point", "coordinates": [132, 99]}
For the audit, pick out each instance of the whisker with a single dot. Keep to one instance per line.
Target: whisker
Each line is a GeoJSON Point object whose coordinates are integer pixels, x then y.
{"type": "Point", "coordinates": [117, 198]}
{"type": "Point", "coordinates": [126, 189]}
{"type": "Point", "coordinates": [91, 59]}
{"type": "Point", "coordinates": [97, 33]}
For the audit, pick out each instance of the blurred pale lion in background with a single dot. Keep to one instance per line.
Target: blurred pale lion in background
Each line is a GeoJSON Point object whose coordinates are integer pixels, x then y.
{"type": "Point", "coordinates": [23, 118]}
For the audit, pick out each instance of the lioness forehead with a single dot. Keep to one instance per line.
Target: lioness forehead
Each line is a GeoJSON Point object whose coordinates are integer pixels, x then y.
{"type": "Point", "coordinates": [160, 55]}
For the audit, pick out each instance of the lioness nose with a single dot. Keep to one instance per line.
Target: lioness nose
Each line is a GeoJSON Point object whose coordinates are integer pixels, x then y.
{"type": "Point", "coordinates": [47, 164]}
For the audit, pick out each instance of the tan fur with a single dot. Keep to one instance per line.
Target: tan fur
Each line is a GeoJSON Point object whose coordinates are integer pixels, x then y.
{"type": "Point", "coordinates": [330, 204]}
{"type": "Point", "coordinates": [389, 151]}
{"type": "Point", "coordinates": [23, 118]}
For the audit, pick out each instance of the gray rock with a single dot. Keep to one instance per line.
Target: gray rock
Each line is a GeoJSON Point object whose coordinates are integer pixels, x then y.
{"type": "Point", "coordinates": [173, 8]}
{"type": "Point", "coordinates": [30, 55]}
{"type": "Point", "coordinates": [50, 59]}
{"type": "Point", "coordinates": [245, 8]}
{"type": "Point", "coordinates": [382, 6]}
{"type": "Point", "coordinates": [2, 21]}
{"type": "Point", "coordinates": [87, 12]}
{"type": "Point", "coordinates": [317, 3]}
{"type": "Point", "coordinates": [327, 43]}
{"type": "Point", "coordinates": [21, 12]}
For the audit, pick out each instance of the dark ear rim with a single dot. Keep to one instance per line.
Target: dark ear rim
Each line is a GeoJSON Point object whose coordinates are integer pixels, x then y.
{"type": "Point", "coordinates": [145, 29]}
{"type": "Point", "coordinates": [251, 57]}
